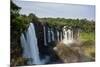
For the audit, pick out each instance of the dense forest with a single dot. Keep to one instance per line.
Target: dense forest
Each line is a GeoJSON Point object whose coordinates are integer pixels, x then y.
{"type": "Point", "coordinates": [19, 24]}
{"type": "Point", "coordinates": [83, 24]}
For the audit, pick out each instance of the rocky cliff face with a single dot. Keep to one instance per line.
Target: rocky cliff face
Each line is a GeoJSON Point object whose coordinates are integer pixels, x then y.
{"type": "Point", "coordinates": [40, 37]}
{"type": "Point", "coordinates": [43, 49]}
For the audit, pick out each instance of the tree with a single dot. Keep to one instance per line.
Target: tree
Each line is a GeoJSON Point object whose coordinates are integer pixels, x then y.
{"type": "Point", "coordinates": [33, 18]}
{"type": "Point", "coordinates": [17, 27]}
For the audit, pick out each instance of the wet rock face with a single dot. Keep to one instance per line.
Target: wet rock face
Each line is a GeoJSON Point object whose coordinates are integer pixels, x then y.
{"type": "Point", "coordinates": [43, 49]}
{"type": "Point", "coordinates": [64, 53]}
{"type": "Point", "coordinates": [40, 37]}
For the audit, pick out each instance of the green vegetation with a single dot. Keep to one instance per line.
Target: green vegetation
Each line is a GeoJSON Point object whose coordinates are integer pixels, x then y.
{"type": "Point", "coordinates": [88, 45]}
{"type": "Point", "coordinates": [87, 36]}
{"type": "Point", "coordinates": [19, 24]}
{"type": "Point", "coordinates": [83, 24]}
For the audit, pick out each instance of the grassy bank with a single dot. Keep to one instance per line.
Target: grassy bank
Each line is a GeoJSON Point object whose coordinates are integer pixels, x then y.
{"type": "Point", "coordinates": [87, 36]}
{"type": "Point", "coordinates": [88, 44]}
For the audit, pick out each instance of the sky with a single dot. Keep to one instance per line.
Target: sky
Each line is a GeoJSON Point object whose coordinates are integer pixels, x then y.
{"type": "Point", "coordinates": [43, 9]}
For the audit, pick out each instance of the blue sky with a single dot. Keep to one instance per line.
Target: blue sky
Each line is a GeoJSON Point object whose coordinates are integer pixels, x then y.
{"type": "Point", "coordinates": [42, 9]}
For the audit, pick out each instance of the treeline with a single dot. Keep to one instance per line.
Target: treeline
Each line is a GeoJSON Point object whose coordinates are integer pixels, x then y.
{"type": "Point", "coordinates": [83, 24]}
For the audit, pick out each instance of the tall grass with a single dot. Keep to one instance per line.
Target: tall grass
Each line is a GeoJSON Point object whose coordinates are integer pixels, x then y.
{"type": "Point", "coordinates": [87, 36]}
{"type": "Point", "coordinates": [88, 45]}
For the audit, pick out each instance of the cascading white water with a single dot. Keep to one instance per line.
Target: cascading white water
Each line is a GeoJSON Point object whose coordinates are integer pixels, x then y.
{"type": "Point", "coordinates": [68, 36]}
{"type": "Point", "coordinates": [26, 50]}
{"type": "Point", "coordinates": [30, 45]}
{"type": "Point", "coordinates": [61, 36]}
{"type": "Point", "coordinates": [58, 36]}
{"type": "Point", "coordinates": [45, 41]}
{"type": "Point", "coordinates": [71, 35]}
{"type": "Point", "coordinates": [52, 35]}
{"type": "Point", "coordinates": [49, 37]}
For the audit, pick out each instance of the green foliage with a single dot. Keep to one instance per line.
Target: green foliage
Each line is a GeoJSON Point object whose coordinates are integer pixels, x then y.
{"type": "Point", "coordinates": [83, 24]}
{"type": "Point", "coordinates": [32, 18]}
{"type": "Point", "coordinates": [87, 36]}
{"type": "Point", "coordinates": [19, 24]}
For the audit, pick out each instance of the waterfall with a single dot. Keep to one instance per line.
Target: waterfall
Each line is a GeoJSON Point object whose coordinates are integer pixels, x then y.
{"type": "Point", "coordinates": [30, 45]}
{"type": "Point", "coordinates": [72, 35]}
{"type": "Point", "coordinates": [45, 41]}
{"type": "Point", "coordinates": [52, 32]}
{"type": "Point", "coordinates": [68, 36]}
{"type": "Point", "coordinates": [58, 36]}
{"type": "Point", "coordinates": [26, 52]}
{"type": "Point", "coordinates": [61, 36]}
{"type": "Point", "coordinates": [65, 35]}
{"type": "Point", "coordinates": [49, 37]}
